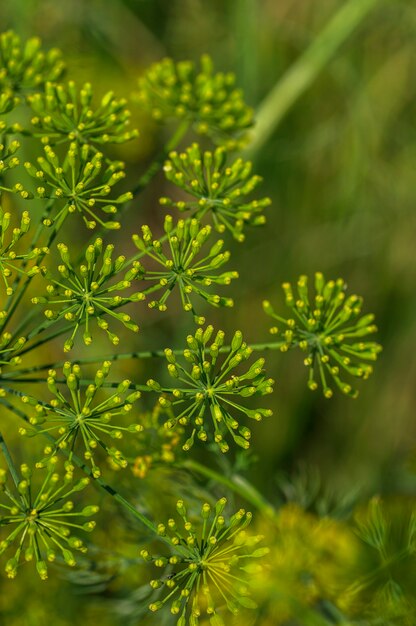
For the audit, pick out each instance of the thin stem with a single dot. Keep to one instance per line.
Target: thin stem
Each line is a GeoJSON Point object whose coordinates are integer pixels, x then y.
{"type": "Point", "coordinates": [9, 461]}
{"type": "Point", "coordinates": [238, 484]}
{"type": "Point", "coordinates": [144, 354]}
{"type": "Point", "coordinates": [306, 69]}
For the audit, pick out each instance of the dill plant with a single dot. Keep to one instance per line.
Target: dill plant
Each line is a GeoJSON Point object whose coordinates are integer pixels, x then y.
{"type": "Point", "coordinates": [57, 297]}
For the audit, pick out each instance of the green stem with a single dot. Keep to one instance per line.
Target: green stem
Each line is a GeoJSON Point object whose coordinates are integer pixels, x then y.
{"type": "Point", "coordinates": [144, 354]}
{"type": "Point", "coordinates": [236, 483]}
{"type": "Point", "coordinates": [9, 461]}
{"type": "Point", "coordinates": [155, 166]}
{"type": "Point", "coordinates": [306, 69]}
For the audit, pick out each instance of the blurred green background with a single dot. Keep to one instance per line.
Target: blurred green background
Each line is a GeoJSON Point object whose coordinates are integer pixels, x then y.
{"type": "Point", "coordinates": [340, 169]}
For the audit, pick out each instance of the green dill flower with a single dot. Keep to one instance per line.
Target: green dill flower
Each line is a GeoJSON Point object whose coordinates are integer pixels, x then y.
{"type": "Point", "coordinates": [26, 66]}
{"type": "Point", "coordinates": [80, 184]}
{"type": "Point", "coordinates": [10, 259]}
{"type": "Point", "coordinates": [183, 264]}
{"type": "Point", "coordinates": [208, 392]}
{"type": "Point", "coordinates": [8, 158]}
{"type": "Point", "coordinates": [207, 572]}
{"type": "Point", "coordinates": [209, 101]}
{"type": "Point", "coordinates": [219, 189]}
{"type": "Point", "coordinates": [65, 113]}
{"type": "Point", "coordinates": [41, 522]}
{"type": "Point", "coordinates": [8, 101]}
{"type": "Point", "coordinates": [89, 292]}
{"type": "Point", "coordinates": [9, 350]}
{"type": "Point", "coordinates": [85, 417]}
{"type": "Point", "coordinates": [330, 329]}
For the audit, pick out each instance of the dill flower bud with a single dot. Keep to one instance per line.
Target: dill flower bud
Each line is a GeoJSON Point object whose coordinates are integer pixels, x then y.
{"type": "Point", "coordinates": [65, 113]}
{"type": "Point", "coordinates": [9, 351]}
{"type": "Point", "coordinates": [13, 262]}
{"type": "Point", "coordinates": [92, 291]}
{"type": "Point", "coordinates": [81, 183]}
{"type": "Point", "coordinates": [209, 101]}
{"type": "Point", "coordinates": [330, 329]}
{"type": "Point", "coordinates": [206, 573]}
{"type": "Point", "coordinates": [40, 522]}
{"type": "Point", "coordinates": [219, 189]}
{"type": "Point", "coordinates": [25, 66]}
{"type": "Point", "coordinates": [83, 415]}
{"type": "Point", "coordinates": [209, 383]}
{"type": "Point", "coordinates": [8, 158]}
{"type": "Point", "coordinates": [8, 101]}
{"type": "Point", "coordinates": [183, 264]}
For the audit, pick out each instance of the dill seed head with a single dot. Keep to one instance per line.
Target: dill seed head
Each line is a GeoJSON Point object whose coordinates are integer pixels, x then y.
{"type": "Point", "coordinates": [218, 189]}
{"type": "Point", "coordinates": [208, 399]}
{"type": "Point", "coordinates": [329, 328]}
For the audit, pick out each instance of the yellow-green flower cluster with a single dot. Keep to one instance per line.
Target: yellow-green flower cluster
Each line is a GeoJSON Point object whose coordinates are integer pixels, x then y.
{"type": "Point", "coordinates": [219, 189]}
{"type": "Point", "coordinates": [26, 66]}
{"type": "Point", "coordinates": [40, 522]}
{"type": "Point", "coordinates": [86, 418]}
{"type": "Point", "coordinates": [65, 113]}
{"type": "Point", "coordinates": [184, 265]}
{"type": "Point", "coordinates": [206, 574]}
{"type": "Point", "coordinates": [90, 292]}
{"type": "Point", "coordinates": [208, 387]}
{"type": "Point", "coordinates": [329, 328]}
{"type": "Point", "coordinates": [209, 101]}
{"type": "Point", "coordinates": [11, 259]}
{"type": "Point", "coordinates": [81, 183]}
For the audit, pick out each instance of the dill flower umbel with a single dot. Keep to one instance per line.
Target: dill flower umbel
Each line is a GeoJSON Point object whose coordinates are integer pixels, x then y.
{"type": "Point", "coordinates": [40, 522]}
{"type": "Point", "coordinates": [80, 184]}
{"type": "Point", "coordinates": [330, 329]}
{"type": "Point", "coordinates": [26, 66]}
{"type": "Point", "coordinates": [209, 101]}
{"type": "Point", "coordinates": [205, 400]}
{"type": "Point", "coordinates": [65, 113]}
{"type": "Point", "coordinates": [87, 419]}
{"type": "Point", "coordinates": [207, 570]}
{"type": "Point", "coordinates": [90, 292]}
{"type": "Point", "coordinates": [219, 189]}
{"type": "Point", "coordinates": [184, 264]}
{"type": "Point", "coordinates": [12, 260]}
